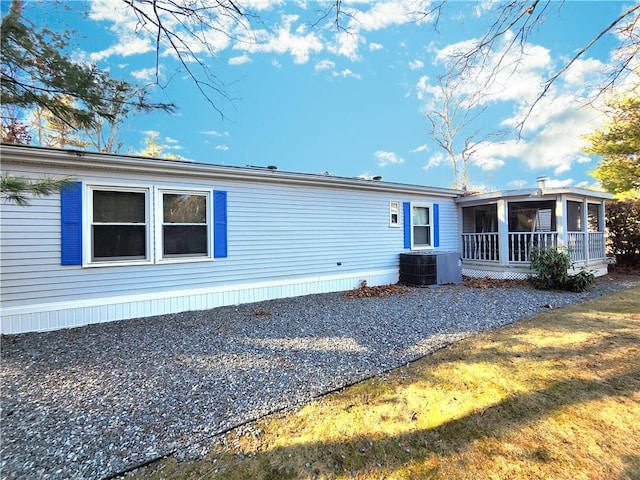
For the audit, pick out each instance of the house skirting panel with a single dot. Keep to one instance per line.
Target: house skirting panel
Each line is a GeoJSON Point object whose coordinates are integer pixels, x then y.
{"type": "Point", "coordinates": [520, 273]}
{"type": "Point", "coordinates": [76, 313]}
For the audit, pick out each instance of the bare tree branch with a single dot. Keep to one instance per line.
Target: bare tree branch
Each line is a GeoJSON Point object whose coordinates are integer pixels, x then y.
{"type": "Point", "coordinates": [184, 28]}
{"type": "Point", "coordinates": [520, 20]}
{"type": "Point", "coordinates": [450, 118]}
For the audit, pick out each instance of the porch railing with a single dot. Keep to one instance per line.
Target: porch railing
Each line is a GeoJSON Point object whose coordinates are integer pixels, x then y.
{"type": "Point", "coordinates": [485, 247]}
{"type": "Point", "coordinates": [576, 244]}
{"type": "Point", "coordinates": [597, 247]}
{"type": "Point", "coordinates": [581, 243]}
{"type": "Point", "coordinates": [480, 246]}
{"type": "Point", "coordinates": [521, 244]}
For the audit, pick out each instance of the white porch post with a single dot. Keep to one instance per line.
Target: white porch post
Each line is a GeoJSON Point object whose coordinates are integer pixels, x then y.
{"type": "Point", "coordinates": [561, 220]}
{"type": "Point", "coordinates": [503, 231]}
{"type": "Point", "coordinates": [585, 229]}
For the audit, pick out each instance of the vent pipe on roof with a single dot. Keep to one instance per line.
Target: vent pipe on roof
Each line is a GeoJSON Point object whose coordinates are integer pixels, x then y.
{"type": "Point", "coordinates": [541, 182]}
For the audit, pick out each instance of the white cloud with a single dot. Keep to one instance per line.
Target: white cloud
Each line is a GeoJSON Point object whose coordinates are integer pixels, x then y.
{"type": "Point", "coordinates": [346, 44]}
{"type": "Point", "coordinates": [555, 183]}
{"type": "Point", "coordinates": [421, 148]}
{"type": "Point", "coordinates": [134, 38]}
{"type": "Point", "coordinates": [285, 39]}
{"type": "Point", "coordinates": [383, 14]}
{"type": "Point", "coordinates": [257, 5]}
{"type": "Point", "coordinates": [347, 73]}
{"type": "Point", "coordinates": [506, 75]}
{"type": "Point", "coordinates": [517, 183]}
{"type": "Point", "coordinates": [324, 65]}
{"type": "Point", "coordinates": [423, 88]}
{"type": "Point", "coordinates": [488, 163]}
{"type": "Point", "coordinates": [171, 140]}
{"type": "Point", "coordinates": [375, 46]}
{"type": "Point", "coordinates": [388, 158]}
{"type": "Point", "coordinates": [128, 45]}
{"type": "Point", "coordinates": [240, 60]}
{"type": "Point", "coordinates": [434, 161]}
{"type": "Point", "coordinates": [222, 148]}
{"type": "Point", "coordinates": [215, 133]}
{"type": "Point", "coordinates": [416, 65]}
{"type": "Point", "coordinates": [144, 74]}
{"type": "Point", "coordinates": [551, 137]}
{"type": "Point", "coordinates": [379, 15]}
{"type": "Point", "coordinates": [584, 73]}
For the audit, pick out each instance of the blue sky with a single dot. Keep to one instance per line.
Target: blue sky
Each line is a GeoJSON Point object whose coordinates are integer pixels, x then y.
{"type": "Point", "coordinates": [309, 98]}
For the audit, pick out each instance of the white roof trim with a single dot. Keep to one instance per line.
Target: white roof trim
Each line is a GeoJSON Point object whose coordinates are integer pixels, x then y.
{"type": "Point", "coordinates": [68, 159]}
{"type": "Point", "coordinates": [533, 194]}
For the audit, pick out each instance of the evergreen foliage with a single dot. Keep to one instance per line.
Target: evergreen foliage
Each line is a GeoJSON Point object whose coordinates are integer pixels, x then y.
{"type": "Point", "coordinates": [37, 72]}
{"type": "Point", "coordinates": [623, 226]}
{"type": "Point", "coordinates": [19, 190]}
{"type": "Point", "coordinates": [552, 271]}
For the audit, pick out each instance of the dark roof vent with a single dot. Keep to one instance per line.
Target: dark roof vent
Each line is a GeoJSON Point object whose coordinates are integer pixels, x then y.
{"type": "Point", "coordinates": [377, 178]}
{"type": "Point", "coordinates": [272, 167]}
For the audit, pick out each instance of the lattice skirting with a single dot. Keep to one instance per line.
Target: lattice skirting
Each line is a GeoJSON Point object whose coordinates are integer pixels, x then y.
{"type": "Point", "coordinates": [496, 275]}
{"type": "Point", "coordinates": [479, 272]}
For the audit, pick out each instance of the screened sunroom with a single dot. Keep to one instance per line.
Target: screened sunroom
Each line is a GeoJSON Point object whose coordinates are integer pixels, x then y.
{"type": "Point", "coordinates": [500, 230]}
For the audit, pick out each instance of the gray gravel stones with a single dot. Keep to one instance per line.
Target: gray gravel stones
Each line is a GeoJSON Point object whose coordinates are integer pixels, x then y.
{"type": "Point", "coordinates": [88, 403]}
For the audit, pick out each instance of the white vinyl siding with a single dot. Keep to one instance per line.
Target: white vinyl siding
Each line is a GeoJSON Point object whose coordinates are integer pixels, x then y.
{"type": "Point", "coordinates": [283, 240]}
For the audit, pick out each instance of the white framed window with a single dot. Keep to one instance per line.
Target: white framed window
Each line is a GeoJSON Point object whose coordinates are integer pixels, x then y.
{"type": "Point", "coordinates": [394, 214]}
{"type": "Point", "coordinates": [184, 224]}
{"type": "Point", "coordinates": [421, 226]}
{"type": "Point", "coordinates": [119, 225]}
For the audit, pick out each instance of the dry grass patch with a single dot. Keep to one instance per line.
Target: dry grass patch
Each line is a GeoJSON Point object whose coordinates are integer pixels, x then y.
{"type": "Point", "coordinates": [557, 396]}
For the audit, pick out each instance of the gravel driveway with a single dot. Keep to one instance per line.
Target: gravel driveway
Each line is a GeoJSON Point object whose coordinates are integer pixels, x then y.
{"type": "Point", "coordinates": [94, 401]}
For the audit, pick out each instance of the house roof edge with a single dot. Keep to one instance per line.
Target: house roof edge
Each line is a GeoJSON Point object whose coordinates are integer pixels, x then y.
{"type": "Point", "coordinates": [130, 163]}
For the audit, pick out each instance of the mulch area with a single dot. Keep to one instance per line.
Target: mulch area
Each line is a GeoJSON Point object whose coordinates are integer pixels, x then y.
{"type": "Point", "coordinates": [365, 291]}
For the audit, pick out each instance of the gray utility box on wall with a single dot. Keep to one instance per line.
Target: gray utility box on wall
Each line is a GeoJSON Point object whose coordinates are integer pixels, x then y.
{"type": "Point", "coordinates": [432, 268]}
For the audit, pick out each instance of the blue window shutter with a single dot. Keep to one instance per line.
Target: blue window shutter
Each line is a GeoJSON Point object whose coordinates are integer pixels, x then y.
{"type": "Point", "coordinates": [406, 214]}
{"type": "Point", "coordinates": [436, 225]}
{"type": "Point", "coordinates": [219, 224]}
{"type": "Point", "coordinates": [71, 224]}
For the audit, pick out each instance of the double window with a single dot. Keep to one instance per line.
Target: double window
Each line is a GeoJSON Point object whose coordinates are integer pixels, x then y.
{"type": "Point", "coordinates": [145, 225]}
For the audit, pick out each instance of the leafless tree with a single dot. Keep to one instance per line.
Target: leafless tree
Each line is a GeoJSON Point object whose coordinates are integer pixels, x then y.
{"type": "Point", "coordinates": [452, 117]}
{"type": "Point", "coordinates": [515, 21]}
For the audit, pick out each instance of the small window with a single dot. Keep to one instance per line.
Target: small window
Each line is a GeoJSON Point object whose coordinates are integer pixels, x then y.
{"type": "Point", "coordinates": [394, 218]}
{"type": "Point", "coordinates": [421, 223]}
{"type": "Point", "coordinates": [185, 225]}
{"type": "Point", "coordinates": [119, 225]}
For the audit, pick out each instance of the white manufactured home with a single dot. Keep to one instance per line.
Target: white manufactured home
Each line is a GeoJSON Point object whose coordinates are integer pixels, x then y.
{"type": "Point", "coordinates": [132, 237]}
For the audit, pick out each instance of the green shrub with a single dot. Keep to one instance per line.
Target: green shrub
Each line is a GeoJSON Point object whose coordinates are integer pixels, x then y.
{"type": "Point", "coordinates": [623, 226]}
{"type": "Point", "coordinates": [552, 271]}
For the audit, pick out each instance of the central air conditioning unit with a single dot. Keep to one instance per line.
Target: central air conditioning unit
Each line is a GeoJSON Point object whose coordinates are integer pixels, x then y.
{"type": "Point", "coordinates": [430, 268]}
